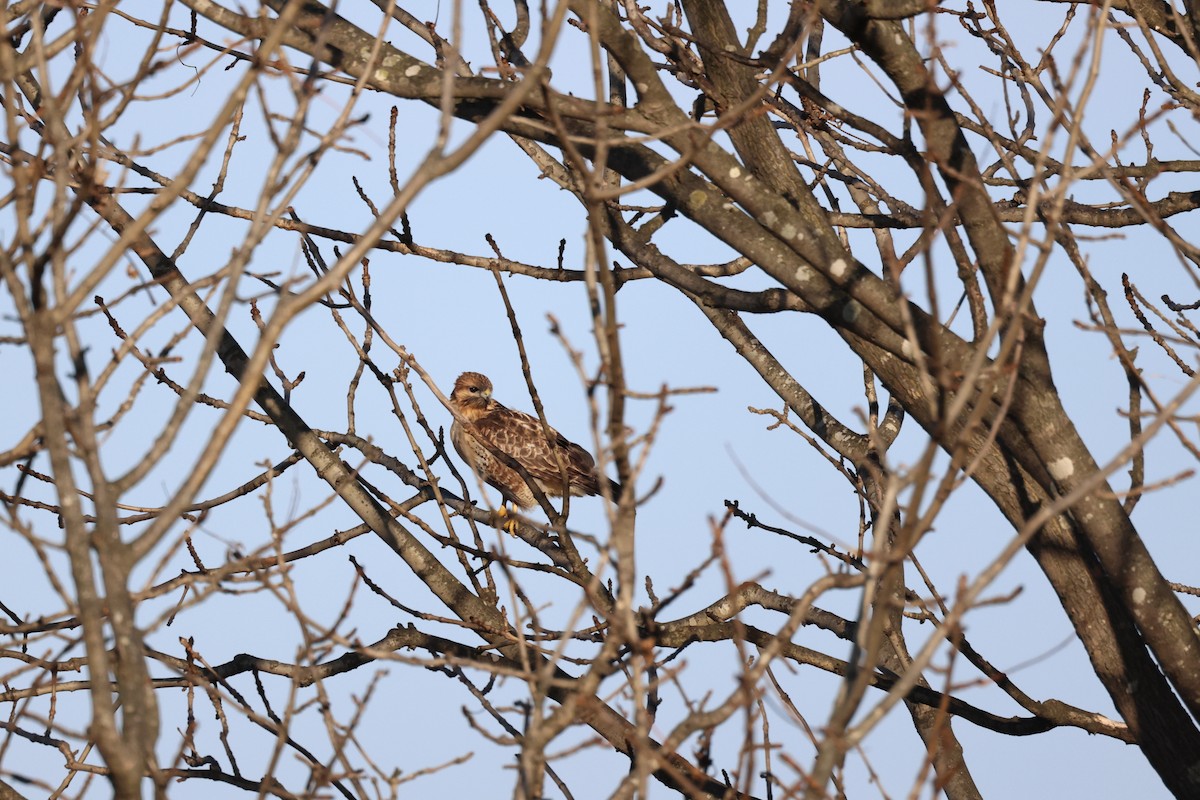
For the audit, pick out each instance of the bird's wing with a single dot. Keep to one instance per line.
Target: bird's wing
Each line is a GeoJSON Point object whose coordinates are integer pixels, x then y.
{"type": "Point", "coordinates": [522, 437]}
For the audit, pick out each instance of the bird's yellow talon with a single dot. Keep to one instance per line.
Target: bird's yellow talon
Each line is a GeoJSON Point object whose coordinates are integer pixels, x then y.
{"type": "Point", "coordinates": [511, 523]}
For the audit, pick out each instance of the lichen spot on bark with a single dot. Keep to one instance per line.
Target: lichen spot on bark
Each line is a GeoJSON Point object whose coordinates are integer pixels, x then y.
{"type": "Point", "coordinates": [1062, 468]}
{"type": "Point", "coordinates": [838, 268]}
{"type": "Point", "coordinates": [1139, 596]}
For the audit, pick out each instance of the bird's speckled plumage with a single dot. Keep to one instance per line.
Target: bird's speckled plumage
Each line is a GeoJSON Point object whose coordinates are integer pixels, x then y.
{"type": "Point", "coordinates": [494, 428]}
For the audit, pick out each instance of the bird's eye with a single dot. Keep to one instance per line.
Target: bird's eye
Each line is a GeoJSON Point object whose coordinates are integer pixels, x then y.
{"type": "Point", "coordinates": [474, 389]}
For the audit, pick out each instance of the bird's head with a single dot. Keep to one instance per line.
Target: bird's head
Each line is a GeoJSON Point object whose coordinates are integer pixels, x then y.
{"type": "Point", "coordinates": [472, 392]}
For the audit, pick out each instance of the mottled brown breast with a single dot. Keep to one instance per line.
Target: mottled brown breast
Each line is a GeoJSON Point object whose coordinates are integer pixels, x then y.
{"type": "Point", "coordinates": [490, 468]}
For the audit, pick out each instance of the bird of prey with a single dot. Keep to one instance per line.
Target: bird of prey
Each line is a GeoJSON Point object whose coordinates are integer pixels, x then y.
{"type": "Point", "coordinates": [490, 434]}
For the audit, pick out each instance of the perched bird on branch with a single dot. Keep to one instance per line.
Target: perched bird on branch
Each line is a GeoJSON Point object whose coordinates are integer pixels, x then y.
{"type": "Point", "coordinates": [500, 444]}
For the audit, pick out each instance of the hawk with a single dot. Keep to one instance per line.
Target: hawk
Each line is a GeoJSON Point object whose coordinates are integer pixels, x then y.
{"type": "Point", "coordinates": [493, 434]}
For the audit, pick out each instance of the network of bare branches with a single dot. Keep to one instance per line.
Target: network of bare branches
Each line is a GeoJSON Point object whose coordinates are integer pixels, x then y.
{"type": "Point", "coordinates": [234, 282]}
